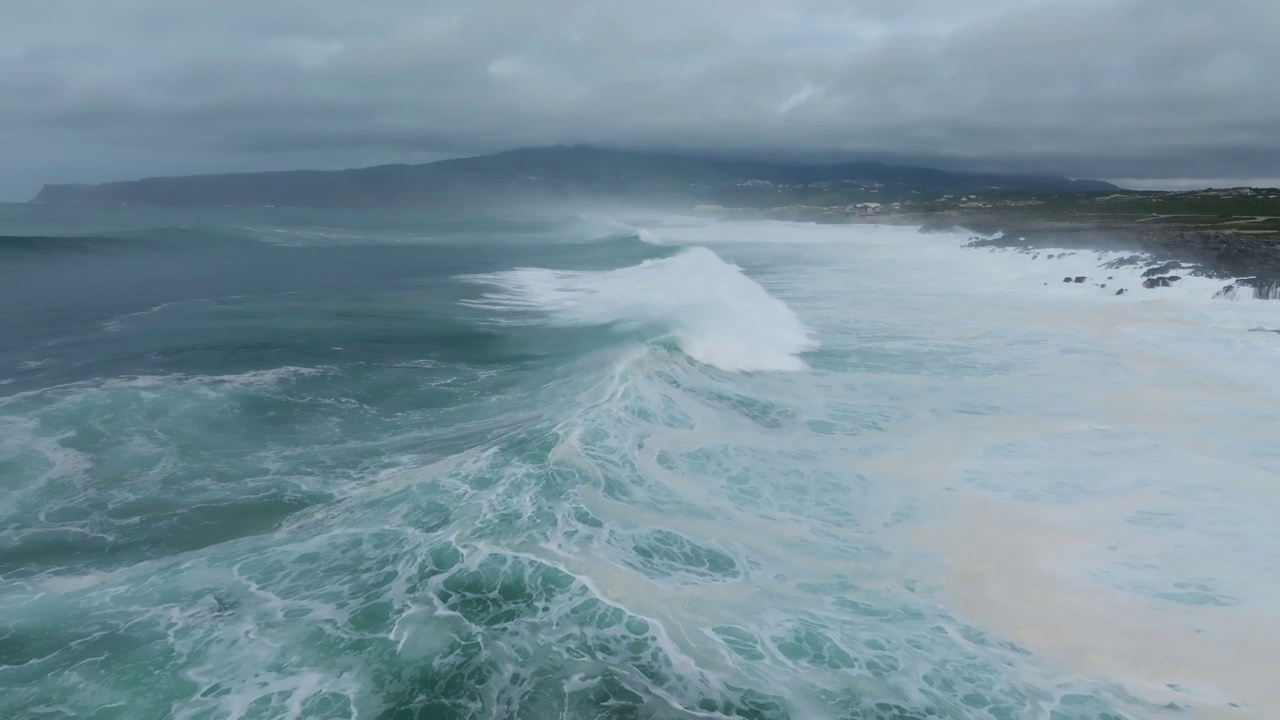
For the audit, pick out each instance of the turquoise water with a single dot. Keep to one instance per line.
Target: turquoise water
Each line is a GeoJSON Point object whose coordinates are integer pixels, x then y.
{"type": "Point", "coordinates": [286, 464]}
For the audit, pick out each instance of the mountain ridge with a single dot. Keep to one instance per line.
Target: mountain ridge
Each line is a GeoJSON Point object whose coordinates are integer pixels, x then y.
{"type": "Point", "coordinates": [543, 173]}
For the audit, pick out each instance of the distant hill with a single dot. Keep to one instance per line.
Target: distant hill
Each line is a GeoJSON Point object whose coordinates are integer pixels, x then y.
{"type": "Point", "coordinates": [561, 172]}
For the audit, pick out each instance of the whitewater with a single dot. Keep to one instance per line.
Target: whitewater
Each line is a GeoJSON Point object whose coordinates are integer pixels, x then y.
{"type": "Point", "coordinates": [320, 464]}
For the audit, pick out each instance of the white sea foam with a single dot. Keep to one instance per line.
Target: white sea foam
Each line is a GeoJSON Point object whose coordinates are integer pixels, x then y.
{"type": "Point", "coordinates": [1087, 475]}
{"type": "Point", "coordinates": [719, 315]}
{"type": "Point", "coordinates": [252, 378]}
{"type": "Point", "coordinates": [1157, 524]}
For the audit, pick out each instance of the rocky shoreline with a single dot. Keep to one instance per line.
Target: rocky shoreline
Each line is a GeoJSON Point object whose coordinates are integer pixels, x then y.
{"type": "Point", "coordinates": [1249, 261]}
{"type": "Point", "coordinates": [1228, 254]}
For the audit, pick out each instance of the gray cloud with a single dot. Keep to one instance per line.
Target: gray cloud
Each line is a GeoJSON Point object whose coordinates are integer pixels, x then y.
{"type": "Point", "coordinates": [1142, 89]}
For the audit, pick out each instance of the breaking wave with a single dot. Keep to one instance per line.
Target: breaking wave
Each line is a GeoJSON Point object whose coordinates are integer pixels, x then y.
{"type": "Point", "coordinates": [718, 315]}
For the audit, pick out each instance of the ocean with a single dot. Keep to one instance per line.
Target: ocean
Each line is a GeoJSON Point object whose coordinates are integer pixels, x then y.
{"type": "Point", "coordinates": [279, 463]}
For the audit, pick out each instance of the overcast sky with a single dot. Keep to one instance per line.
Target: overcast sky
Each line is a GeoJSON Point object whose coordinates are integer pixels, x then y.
{"type": "Point", "coordinates": [1176, 91]}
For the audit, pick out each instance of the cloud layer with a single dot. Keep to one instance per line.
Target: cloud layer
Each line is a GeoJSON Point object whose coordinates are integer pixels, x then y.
{"type": "Point", "coordinates": [1100, 88]}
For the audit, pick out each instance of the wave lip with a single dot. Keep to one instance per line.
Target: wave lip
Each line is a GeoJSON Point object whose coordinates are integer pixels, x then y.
{"type": "Point", "coordinates": [719, 316]}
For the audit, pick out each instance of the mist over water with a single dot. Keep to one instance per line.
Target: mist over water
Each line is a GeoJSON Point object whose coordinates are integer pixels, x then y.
{"type": "Point", "coordinates": [286, 464]}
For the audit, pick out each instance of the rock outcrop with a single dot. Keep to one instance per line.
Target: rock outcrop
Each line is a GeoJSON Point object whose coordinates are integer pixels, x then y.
{"type": "Point", "coordinates": [1253, 287]}
{"type": "Point", "coordinates": [1161, 281]}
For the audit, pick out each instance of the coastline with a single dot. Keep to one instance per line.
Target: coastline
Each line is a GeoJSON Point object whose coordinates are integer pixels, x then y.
{"type": "Point", "coordinates": [1220, 253]}
{"type": "Point", "coordinates": [1242, 258]}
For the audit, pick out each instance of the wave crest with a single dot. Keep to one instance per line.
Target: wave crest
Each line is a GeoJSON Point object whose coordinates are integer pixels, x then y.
{"type": "Point", "coordinates": [718, 315]}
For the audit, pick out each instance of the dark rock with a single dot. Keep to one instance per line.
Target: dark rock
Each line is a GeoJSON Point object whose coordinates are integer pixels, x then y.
{"type": "Point", "coordinates": [1125, 262]}
{"type": "Point", "coordinates": [1121, 291]}
{"type": "Point", "coordinates": [1256, 288]}
{"type": "Point", "coordinates": [1163, 269]}
{"type": "Point", "coordinates": [1155, 282]}
{"type": "Point", "coordinates": [1081, 278]}
{"type": "Point", "coordinates": [1066, 279]}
